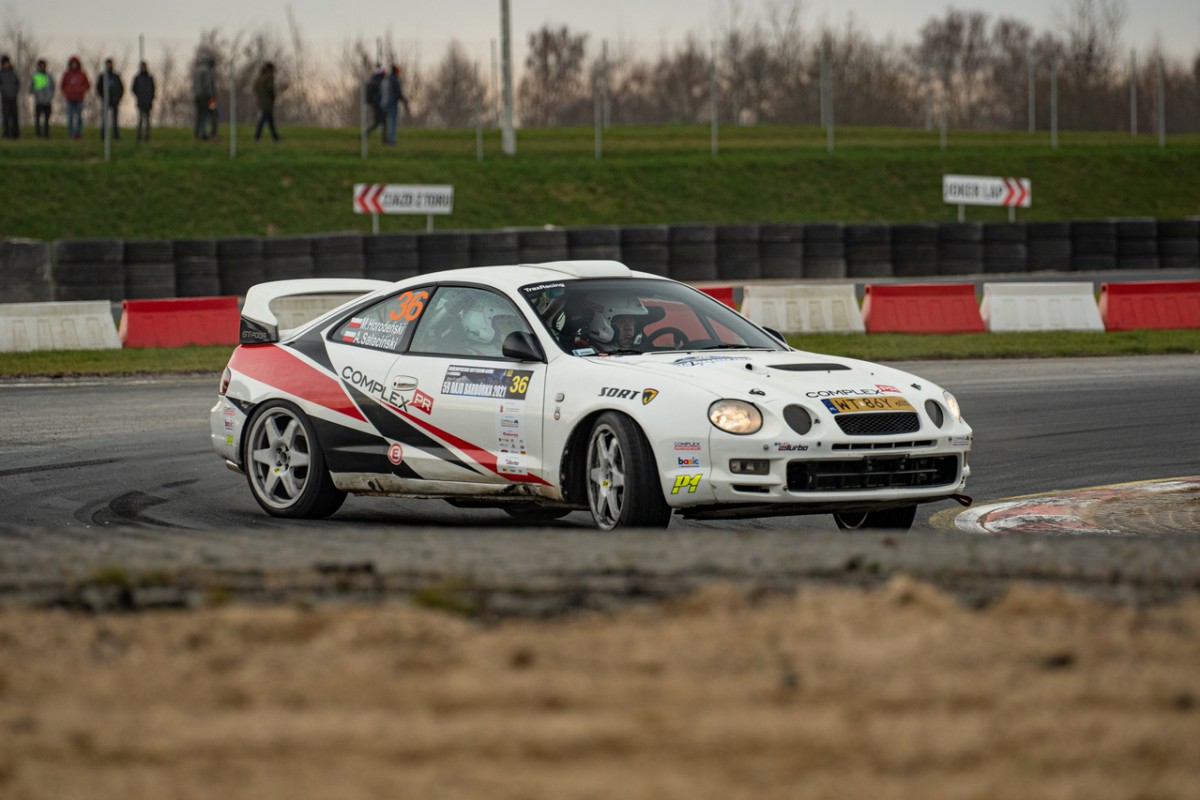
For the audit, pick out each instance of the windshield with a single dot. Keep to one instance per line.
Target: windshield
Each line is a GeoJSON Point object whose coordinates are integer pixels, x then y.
{"type": "Point", "coordinates": [630, 316]}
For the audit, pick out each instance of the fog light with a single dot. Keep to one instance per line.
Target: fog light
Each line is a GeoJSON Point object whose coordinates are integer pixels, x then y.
{"type": "Point", "coordinates": [750, 466]}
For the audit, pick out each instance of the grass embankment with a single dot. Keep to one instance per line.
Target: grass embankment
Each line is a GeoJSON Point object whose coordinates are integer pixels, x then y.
{"type": "Point", "coordinates": [875, 347]}
{"type": "Point", "coordinates": [174, 187]}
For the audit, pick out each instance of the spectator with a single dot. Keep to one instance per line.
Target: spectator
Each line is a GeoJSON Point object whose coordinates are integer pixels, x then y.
{"type": "Point", "coordinates": [393, 96]}
{"type": "Point", "coordinates": [74, 86]}
{"type": "Point", "coordinates": [264, 93]}
{"type": "Point", "coordinates": [143, 92]}
{"type": "Point", "coordinates": [41, 86]}
{"type": "Point", "coordinates": [204, 92]}
{"type": "Point", "coordinates": [110, 81]}
{"type": "Point", "coordinates": [10, 87]}
{"type": "Point", "coordinates": [375, 101]}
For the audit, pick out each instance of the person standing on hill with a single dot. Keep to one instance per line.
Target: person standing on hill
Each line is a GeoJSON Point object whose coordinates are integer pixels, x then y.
{"type": "Point", "coordinates": [143, 92]}
{"type": "Point", "coordinates": [41, 86]}
{"type": "Point", "coordinates": [110, 89]}
{"type": "Point", "coordinates": [264, 93]}
{"type": "Point", "coordinates": [10, 88]}
{"type": "Point", "coordinates": [74, 85]}
{"type": "Point", "coordinates": [204, 92]}
{"type": "Point", "coordinates": [375, 101]}
{"type": "Point", "coordinates": [393, 95]}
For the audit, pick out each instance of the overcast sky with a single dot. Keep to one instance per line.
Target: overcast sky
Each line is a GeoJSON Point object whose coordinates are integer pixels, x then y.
{"type": "Point", "coordinates": [60, 24]}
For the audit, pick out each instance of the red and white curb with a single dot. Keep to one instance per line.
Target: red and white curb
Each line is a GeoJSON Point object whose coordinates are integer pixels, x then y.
{"type": "Point", "coordinates": [1061, 512]}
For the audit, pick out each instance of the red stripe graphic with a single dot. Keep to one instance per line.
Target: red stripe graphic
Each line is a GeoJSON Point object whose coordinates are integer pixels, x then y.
{"type": "Point", "coordinates": [278, 367]}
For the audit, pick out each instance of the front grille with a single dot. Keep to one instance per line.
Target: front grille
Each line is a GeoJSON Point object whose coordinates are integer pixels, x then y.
{"type": "Point", "coordinates": [885, 424]}
{"type": "Point", "coordinates": [872, 472]}
{"type": "Point", "coordinates": [884, 445]}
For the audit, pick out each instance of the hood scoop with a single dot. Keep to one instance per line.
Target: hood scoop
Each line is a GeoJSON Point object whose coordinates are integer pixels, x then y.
{"type": "Point", "coordinates": [809, 367]}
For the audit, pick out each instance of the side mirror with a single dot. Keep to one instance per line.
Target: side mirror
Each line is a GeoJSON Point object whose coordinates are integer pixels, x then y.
{"type": "Point", "coordinates": [775, 333]}
{"type": "Point", "coordinates": [523, 346]}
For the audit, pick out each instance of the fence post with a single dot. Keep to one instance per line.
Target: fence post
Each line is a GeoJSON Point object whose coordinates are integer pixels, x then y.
{"type": "Point", "coordinates": [945, 104]}
{"type": "Point", "coordinates": [478, 116]}
{"type": "Point", "coordinates": [1054, 104]}
{"type": "Point", "coordinates": [713, 93]}
{"type": "Point", "coordinates": [1032, 80]}
{"type": "Point", "coordinates": [1133, 92]}
{"type": "Point", "coordinates": [1162, 107]}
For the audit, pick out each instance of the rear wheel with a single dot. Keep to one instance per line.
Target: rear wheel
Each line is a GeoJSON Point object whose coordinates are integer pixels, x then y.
{"type": "Point", "coordinates": [285, 466]}
{"type": "Point", "coordinates": [623, 487]}
{"type": "Point", "coordinates": [896, 519]}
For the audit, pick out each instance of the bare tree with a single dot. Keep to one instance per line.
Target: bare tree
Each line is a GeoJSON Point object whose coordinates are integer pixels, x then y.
{"type": "Point", "coordinates": [453, 91]}
{"type": "Point", "coordinates": [681, 83]}
{"type": "Point", "coordinates": [552, 91]}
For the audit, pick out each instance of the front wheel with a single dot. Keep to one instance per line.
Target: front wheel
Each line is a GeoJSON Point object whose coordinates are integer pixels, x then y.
{"type": "Point", "coordinates": [896, 519]}
{"type": "Point", "coordinates": [285, 466]}
{"type": "Point", "coordinates": [624, 490]}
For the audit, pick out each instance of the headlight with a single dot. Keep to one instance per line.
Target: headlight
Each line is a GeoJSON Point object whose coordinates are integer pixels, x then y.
{"type": "Point", "coordinates": [952, 404]}
{"type": "Point", "coordinates": [735, 416]}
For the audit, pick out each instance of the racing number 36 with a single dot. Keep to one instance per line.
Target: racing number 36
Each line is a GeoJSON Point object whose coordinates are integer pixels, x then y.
{"type": "Point", "coordinates": [519, 385]}
{"type": "Point", "coordinates": [411, 306]}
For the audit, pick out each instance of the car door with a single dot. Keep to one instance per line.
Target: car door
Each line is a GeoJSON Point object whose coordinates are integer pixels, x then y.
{"type": "Point", "coordinates": [471, 414]}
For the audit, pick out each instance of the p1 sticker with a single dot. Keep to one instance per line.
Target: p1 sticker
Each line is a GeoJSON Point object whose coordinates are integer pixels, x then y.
{"type": "Point", "coordinates": [689, 482]}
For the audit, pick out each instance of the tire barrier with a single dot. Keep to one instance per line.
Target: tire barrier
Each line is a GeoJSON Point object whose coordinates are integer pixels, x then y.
{"type": "Point", "coordinates": [88, 269]}
{"type": "Point", "coordinates": [391, 256]}
{"type": "Point", "coordinates": [960, 248]}
{"type": "Point", "coordinates": [196, 272]}
{"type": "Point", "coordinates": [693, 252]}
{"type": "Point", "coordinates": [444, 250]}
{"type": "Point", "coordinates": [869, 251]}
{"type": "Point", "coordinates": [914, 250]}
{"type": "Point", "coordinates": [737, 252]}
{"type": "Point", "coordinates": [80, 325]}
{"type": "Point", "coordinates": [647, 248]}
{"type": "Point", "coordinates": [338, 255]}
{"type": "Point", "coordinates": [1048, 246]}
{"type": "Point", "coordinates": [287, 257]}
{"type": "Point", "coordinates": [491, 248]}
{"type": "Point", "coordinates": [1150, 304]}
{"type": "Point", "coordinates": [1004, 247]}
{"type": "Point", "coordinates": [1137, 243]}
{"type": "Point", "coordinates": [804, 309]}
{"type": "Point", "coordinates": [781, 250]}
{"type": "Point", "coordinates": [1178, 243]}
{"type": "Point", "coordinates": [539, 245]}
{"type": "Point", "coordinates": [240, 265]}
{"type": "Point", "coordinates": [824, 250]}
{"type": "Point", "coordinates": [24, 271]}
{"type": "Point", "coordinates": [1009, 307]}
{"type": "Point", "coordinates": [179, 322]}
{"type": "Point", "coordinates": [921, 308]}
{"type": "Point", "coordinates": [601, 243]}
{"type": "Point", "coordinates": [1093, 245]}
{"type": "Point", "coordinates": [150, 268]}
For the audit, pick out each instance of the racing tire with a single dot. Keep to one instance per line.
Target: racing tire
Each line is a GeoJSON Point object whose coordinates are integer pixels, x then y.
{"type": "Point", "coordinates": [623, 486]}
{"type": "Point", "coordinates": [893, 519]}
{"type": "Point", "coordinates": [534, 514]}
{"type": "Point", "coordinates": [285, 466]}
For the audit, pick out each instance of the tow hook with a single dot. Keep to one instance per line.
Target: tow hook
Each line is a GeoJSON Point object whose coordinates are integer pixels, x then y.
{"type": "Point", "coordinates": [962, 499]}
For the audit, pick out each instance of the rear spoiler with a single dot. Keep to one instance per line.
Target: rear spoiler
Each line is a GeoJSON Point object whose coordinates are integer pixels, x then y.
{"type": "Point", "coordinates": [259, 323]}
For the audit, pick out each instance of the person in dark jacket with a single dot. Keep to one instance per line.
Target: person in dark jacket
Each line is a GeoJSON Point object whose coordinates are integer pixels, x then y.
{"type": "Point", "coordinates": [375, 102]}
{"type": "Point", "coordinates": [41, 86]}
{"type": "Point", "coordinates": [74, 85]}
{"type": "Point", "coordinates": [143, 92]}
{"type": "Point", "coordinates": [110, 89]}
{"type": "Point", "coordinates": [393, 96]}
{"type": "Point", "coordinates": [264, 93]}
{"type": "Point", "coordinates": [10, 89]}
{"type": "Point", "coordinates": [204, 93]}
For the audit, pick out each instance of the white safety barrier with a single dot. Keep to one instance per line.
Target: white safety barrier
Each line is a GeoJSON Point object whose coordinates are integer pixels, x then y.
{"type": "Point", "coordinates": [1009, 307]}
{"type": "Point", "coordinates": [798, 308]}
{"type": "Point", "coordinates": [80, 325]}
{"type": "Point", "coordinates": [292, 312]}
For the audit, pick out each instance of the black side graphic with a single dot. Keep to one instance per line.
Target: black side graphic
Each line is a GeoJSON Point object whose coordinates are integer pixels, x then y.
{"type": "Point", "coordinates": [350, 450]}
{"type": "Point", "coordinates": [312, 345]}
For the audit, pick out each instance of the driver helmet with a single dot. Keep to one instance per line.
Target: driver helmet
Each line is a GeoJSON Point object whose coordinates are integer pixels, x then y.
{"type": "Point", "coordinates": [606, 305]}
{"type": "Point", "coordinates": [480, 321]}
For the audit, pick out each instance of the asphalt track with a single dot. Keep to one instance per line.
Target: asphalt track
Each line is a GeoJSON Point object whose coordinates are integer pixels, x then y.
{"type": "Point", "coordinates": [120, 471]}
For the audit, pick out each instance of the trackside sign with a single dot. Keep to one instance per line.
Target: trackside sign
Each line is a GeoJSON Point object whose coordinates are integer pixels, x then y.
{"type": "Point", "coordinates": [400, 198]}
{"type": "Point", "coordinates": [979, 190]}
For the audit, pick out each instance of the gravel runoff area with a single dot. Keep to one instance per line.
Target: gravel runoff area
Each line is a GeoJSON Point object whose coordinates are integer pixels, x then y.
{"type": "Point", "coordinates": [348, 662]}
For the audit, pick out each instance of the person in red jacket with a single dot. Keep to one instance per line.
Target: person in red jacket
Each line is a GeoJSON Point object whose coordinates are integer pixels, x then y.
{"type": "Point", "coordinates": [74, 86]}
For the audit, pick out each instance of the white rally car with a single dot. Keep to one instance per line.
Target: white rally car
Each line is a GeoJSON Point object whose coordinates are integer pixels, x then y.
{"type": "Point", "coordinates": [547, 388]}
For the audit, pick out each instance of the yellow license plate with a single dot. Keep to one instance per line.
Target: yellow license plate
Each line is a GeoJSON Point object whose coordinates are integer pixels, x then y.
{"type": "Point", "coordinates": [849, 405]}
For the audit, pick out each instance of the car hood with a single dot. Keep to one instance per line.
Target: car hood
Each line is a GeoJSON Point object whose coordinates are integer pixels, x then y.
{"type": "Point", "coordinates": [768, 376]}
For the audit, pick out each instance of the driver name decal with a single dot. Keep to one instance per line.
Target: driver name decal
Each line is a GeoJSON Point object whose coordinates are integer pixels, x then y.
{"type": "Point", "coordinates": [486, 382]}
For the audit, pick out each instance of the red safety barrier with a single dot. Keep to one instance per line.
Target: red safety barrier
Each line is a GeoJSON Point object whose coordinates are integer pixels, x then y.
{"type": "Point", "coordinates": [1150, 304]}
{"type": "Point", "coordinates": [921, 308]}
{"type": "Point", "coordinates": [729, 295]}
{"type": "Point", "coordinates": [178, 322]}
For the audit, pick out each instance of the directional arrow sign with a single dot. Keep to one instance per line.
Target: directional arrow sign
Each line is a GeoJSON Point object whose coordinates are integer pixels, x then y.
{"type": "Point", "coordinates": [979, 190]}
{"type": "Point", "coordinates": [400, 198]}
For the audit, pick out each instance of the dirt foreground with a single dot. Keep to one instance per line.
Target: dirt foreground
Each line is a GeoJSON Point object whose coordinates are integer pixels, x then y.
{"type": "Point", "coordinates": [900, 692]}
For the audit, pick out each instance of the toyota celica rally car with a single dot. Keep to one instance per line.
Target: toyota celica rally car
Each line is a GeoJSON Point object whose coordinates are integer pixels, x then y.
{"type": "Point", "coordinates": [548, 388]}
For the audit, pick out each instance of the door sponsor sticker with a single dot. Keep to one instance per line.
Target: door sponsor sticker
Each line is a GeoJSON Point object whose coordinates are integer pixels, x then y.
{"type": "Point", "coordinates": [486, 382]}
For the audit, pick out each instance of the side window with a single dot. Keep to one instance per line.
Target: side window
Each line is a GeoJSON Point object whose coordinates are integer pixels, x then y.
{"type": "Point", "coordinates": [384, 325]}
{"type": "Point", "coordinates": [464, 321]}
